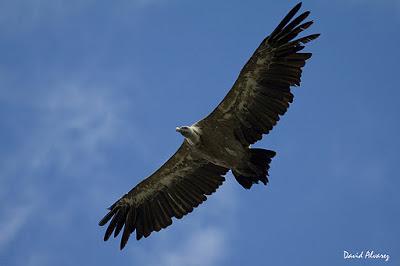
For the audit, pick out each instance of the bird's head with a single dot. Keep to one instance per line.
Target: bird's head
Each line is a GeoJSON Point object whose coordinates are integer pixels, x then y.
{"type": "Point", "coordinates": [189, 133]}
{"type": "Point", "coordinates": [184, 130]}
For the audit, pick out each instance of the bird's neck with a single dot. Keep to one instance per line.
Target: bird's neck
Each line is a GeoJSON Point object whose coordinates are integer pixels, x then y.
{"type": "Point", "coordinates": [194, 136]}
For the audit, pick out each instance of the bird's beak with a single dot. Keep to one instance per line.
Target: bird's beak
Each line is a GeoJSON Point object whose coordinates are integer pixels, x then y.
{"type": "Point", "coordinates": [178, 129]}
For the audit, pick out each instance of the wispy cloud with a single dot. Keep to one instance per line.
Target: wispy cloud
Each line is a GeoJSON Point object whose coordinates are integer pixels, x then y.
{"type": "Point", "coordinates": [13, 219]}
{"type": "Point", "coordinates": [79, 119]}
{"type": "Point", "coordinates": [204, 247]}
{"type": "Point", "coordinates": [73, 124]}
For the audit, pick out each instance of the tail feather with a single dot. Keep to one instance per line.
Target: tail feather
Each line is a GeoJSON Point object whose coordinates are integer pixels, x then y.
{"type": "Point", "coordinates": [256, 169]}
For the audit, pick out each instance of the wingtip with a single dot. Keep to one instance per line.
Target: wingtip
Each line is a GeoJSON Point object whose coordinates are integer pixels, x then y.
{"type": "Point", "coordinates": [139, 235]}
{"type": "Point", "coordinates": [297, 7]}
{"type": "Point", "coordinates": [313, 37]}
{"type": "Point", "coordinates": [103, 220]}
{"type": "Point", "coordinates": [294, 10]}
{"type": "Point", "coordinates": [286, 19]}
{"type": "Point", "coordinates": [106, 237]}
{"type": "Point", "coordinates": [107, 217]}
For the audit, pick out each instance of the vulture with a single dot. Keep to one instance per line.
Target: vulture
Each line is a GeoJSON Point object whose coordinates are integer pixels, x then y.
{"type": "Point", "coordinates": [221, 141]}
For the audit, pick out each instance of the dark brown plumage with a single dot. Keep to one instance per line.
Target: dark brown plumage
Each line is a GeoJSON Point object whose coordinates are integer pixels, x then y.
{"type": "Point", "coordinates": [221, 141]}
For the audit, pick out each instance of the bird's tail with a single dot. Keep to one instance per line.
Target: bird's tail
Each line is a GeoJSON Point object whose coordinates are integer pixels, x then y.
{"type": "Point", "coordinates": [256, 168]}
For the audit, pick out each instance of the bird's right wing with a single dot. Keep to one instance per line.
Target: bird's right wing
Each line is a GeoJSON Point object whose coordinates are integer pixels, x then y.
{"type": "Point", "coordinates": [177, 187]}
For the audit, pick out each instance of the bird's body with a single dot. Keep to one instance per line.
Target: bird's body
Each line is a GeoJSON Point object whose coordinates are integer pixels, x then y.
{"type": "Point", "coordinates": [219, 147]}
{"type": "Point", "coordinates": [221, 141]}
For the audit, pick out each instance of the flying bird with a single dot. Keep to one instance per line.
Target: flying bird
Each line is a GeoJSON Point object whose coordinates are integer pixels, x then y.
{"type": "Point", "coordinates": [221, 141]}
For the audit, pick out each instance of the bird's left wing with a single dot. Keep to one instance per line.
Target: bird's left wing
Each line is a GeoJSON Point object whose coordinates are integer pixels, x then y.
{"type": "Point", "coordinates": [261, 94]}
{"type": "Point", "coordinates": [177, 187]}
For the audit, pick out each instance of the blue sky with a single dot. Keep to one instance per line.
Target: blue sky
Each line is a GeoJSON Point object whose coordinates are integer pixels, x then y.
{"type": "Point", "coordinates": [91, 93]}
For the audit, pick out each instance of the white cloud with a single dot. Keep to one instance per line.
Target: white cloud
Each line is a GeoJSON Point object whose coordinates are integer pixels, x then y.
{"type": "Point", "coordinates": [73, 122]}
{"type": "Point", "coordinates": [70, 123]}
{"type": "Point", "coordinates": [13, 219]}
{"type": "Point", "coordinates": [202, 248]}
{"type": "Point", "coordinates": [79, 119]}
